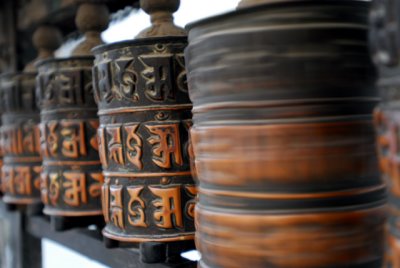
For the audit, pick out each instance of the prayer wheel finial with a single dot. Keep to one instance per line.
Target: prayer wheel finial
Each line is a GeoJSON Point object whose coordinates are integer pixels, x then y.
{"type": "Point", "coordinates": [46, 39]}
{"type": "Point", "coordinates": [91, 19]}
{"type": "Point", "coordinates": [162, 19]}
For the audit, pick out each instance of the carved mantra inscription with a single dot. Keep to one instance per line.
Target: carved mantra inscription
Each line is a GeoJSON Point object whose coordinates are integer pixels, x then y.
{"type": "Point", "coordinates": [66, 138]}
{"type": "Point", "coordinates": [20, 180]}
{"type": "Point", "coordinates": [71, 187]}
{"type": "Point", "coordinates": [20, 139]}
{"type": "Point", "coordinates": [160, 74]}
{"type": "Point", "coordinates": [121, 144]}
{"type": "Point", "coordinates": [168, 212]}
{"type": "Point", "coordinates": [67, 88]}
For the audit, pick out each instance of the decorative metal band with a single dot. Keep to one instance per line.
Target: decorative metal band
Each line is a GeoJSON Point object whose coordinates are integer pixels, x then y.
{"type": "Point", "coordinates": [286, 196]}
{"type": "Point", "coordinates": [144, 109]}
{"type": "Point", "coordinates": [70, 163]}
{"type": "Point", "coordinates": [180, 237]}
{"type": "Point", "coordinates": [56, 212]}
{"type": "Point", "coordinates": [22, 159]}
{"type": "Point", "coordinates": [145, 175]}
{"type": "Point", "coordinates": [20, 200]}
{"type": "Point", "coordinates": [66, 110]}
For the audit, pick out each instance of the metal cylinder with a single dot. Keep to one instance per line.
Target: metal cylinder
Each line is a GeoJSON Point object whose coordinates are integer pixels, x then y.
{"type": "Point", "coordinates": [20, 139]}
{"type": "Point", "coordinates": [71, 179]}
{"type": "Point", "coordinates": [283, 137]}
{"type": "Point", "coordinates": [145, 116]}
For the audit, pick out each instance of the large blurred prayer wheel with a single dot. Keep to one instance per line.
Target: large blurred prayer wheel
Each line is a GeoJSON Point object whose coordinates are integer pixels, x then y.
{"type": "Point", "coordinates": [283, 137]}
{"type": "Point", "coordinates": [72, 177]}
{"type": "Point", "coordinates": [145, 115]}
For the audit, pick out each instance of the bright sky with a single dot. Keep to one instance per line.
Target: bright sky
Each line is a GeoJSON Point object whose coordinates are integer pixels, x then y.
{"type": "Point", "coordinates": [129, 27]}
{"type": "Point", "coordinates": [190, 10]}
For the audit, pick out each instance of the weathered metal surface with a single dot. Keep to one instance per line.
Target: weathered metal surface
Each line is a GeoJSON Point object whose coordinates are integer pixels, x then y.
{"type": "Point", "coordinates": [283, 137]}
{"type": "Point", "coordinates": [71, 177]}
{"type": "Point", "coordinates": [20, 139]}
{"type": "Point", "coordinates": [145, 115]}
{"type": "Point", "coordinates": [385, 45]}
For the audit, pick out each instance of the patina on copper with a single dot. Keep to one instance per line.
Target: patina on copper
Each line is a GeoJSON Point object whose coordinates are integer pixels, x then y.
{"type": "Point", "coordinates": [283, 137]}
{"type": "Point", "coordinates": [385, 45]}
{"type": "Point", "coordinates": [71, 179]}
{"type": "Point", "coordinates": [19, 132]}
{"type": "Point", "coordinates": [145, 116]}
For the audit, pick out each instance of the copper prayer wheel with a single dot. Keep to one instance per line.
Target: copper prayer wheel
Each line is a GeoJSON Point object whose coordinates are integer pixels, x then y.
{"type": "Point", "coordinates": [20, 139]}
{"type": "Point", "coordinates": [20, 136]}
{"type": "Point", "coordinates": [283, 137]}
{"type": "Point", "coordinates": [385, 45]}
{"type": "Point", "coordinates": [145, 116]}
{"type": "Point", "coordinates": [71, 179]}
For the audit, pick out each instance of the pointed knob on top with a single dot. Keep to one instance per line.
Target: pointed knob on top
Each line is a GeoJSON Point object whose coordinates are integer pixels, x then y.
{"type": "Point", "coordinates": [46, 39]}
{"type": "Point", "coordinates": [162, 19]}
{"type": "Point", "coordinates": [91, 19]}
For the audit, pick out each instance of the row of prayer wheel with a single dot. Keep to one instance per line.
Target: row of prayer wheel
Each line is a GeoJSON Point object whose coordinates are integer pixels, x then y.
{"type": "Point", "coordinates": [280, 137]}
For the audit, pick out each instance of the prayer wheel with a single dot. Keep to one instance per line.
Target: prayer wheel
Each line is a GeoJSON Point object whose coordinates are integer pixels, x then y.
{"type": "Point", "coordinates": [384, 25]}
{"type": "Point", "coordinates": [283, 136]}
{"type": "Point", "coordinates": [20, 139]}
{"type": "Point", "coordinates": [19, 131]}
{"type": "Point", "coordinates": [72, 178]}
{"type": "Point", "coordinates": [145, 116]}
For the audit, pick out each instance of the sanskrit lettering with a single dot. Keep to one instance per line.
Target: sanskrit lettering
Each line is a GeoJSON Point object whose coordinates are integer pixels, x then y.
{"type": "Point", "coordinates": [75, 185]}
{"type": "Point", "coordinates": [101, 140]}
{"type": "Point", "coordinates": [166, 144]}
{"type": "Point", "coordinates": [168, 214]}
{"type": "Point", "coordinates": [134, 145]}
{"type": "Point", "coordinates": [67, 138]}
{"type": "Point", "coordinates": [190, 205]}
{"type": "Point", "coordinates": [158, 76]}
{"type": "Point", "coordinates": [20, 139]}
{"type": "Point", "coordinates": [95, 188]}
{"type": "Point", "coordinates": [181, 79]}
{"type": "Point", "coordinates": [115, 145]}
{"type": "Point", "coordinates": [136, 207]}
{"type": "Point", "coordinates": [22, 180]}
{"type": "Point", "coordinates": [73, 133]}
{"type": "Point", "coordinates": [116, 206]}
{"type": "Point", "coordinates": [126, 79]}
{"type": "Point", "coordinates": [54, 188]}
